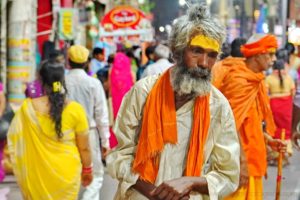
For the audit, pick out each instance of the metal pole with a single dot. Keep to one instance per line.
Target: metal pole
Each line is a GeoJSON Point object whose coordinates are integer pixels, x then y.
{"type": "Point", "coordinates": [284, 21]}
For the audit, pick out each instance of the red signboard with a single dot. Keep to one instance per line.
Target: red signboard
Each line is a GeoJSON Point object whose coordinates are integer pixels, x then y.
{"type": "Point", "coordinates": [122, 17]}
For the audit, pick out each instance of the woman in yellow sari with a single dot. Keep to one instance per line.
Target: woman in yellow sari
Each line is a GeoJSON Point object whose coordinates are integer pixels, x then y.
{"type": "Point", "coordinates": [48, 142]}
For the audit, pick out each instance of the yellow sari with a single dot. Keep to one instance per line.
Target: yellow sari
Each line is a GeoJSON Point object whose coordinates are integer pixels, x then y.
{"type": "Point", "coordinates": [46, 168]}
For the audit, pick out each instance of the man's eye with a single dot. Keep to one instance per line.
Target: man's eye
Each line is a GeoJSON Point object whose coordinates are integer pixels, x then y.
{"type": "Point", "coordinates": [198, 51]}
{"type": "Point", "coordinates": [212, 54]}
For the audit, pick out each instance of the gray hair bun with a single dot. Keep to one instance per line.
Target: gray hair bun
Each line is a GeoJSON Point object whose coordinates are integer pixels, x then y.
{"type": "Point", "coordinates": [198, 12]}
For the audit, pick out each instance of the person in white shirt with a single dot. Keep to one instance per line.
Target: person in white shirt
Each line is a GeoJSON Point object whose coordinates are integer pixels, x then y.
{"type": "Point", "coordinates": [161, 55]}
{"type": "Point", "coordinates": [89, 92]}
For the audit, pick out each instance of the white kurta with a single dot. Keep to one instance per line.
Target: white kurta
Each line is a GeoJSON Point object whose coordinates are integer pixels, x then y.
{"type": "Point", "coordinates": [221, 151]}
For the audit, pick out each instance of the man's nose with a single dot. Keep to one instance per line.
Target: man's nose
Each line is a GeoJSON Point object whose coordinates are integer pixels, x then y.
{"type": "Point", "coordinates": [203, 60]}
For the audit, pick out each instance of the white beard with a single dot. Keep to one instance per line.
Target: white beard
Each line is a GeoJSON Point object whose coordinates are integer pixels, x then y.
{"type": "Point", "coordinates": [191, 81]}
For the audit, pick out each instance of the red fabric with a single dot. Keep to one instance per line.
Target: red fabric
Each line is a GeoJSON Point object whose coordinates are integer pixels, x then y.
{"type": "Point", "coordinates": [66, 3]}
{"type": "Point", "coordinates": [282, 108]}
{"type": "Point", "coordinates": [44, 23]}
{"type": "Point", "coordinates": [113, 142]}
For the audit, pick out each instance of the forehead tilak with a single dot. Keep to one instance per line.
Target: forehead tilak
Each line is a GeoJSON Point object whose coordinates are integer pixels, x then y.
{"type": "Point", "coordinates": [205, 42]}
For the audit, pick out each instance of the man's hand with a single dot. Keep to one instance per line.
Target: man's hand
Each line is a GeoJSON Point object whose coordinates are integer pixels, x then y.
{"type": "Point", "coordinates": [244, 176]}
{"type": "Point", "coordinates": [104, 152]}
{"type": "Point", "coordinates": [144, 188]}
{"type": "Point", "coordinates": [86, 179]}
{"type": "Point", "coordinates": [295, 138]}
{"type": "Point", "coordinates": [278, 145]}
{"type": "Point", "coordinates": [177, 189]}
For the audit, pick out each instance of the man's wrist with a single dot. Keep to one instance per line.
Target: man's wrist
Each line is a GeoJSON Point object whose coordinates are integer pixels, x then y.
{"type": "Point", "coordinates": [199, 184]}
{"type": "Point", "coordinates": [268, 138]}
{"type": "Point", "coordinates": [144, 188]}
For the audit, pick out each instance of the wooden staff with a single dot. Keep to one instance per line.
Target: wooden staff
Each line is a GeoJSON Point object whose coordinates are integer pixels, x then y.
{"type": "Point", "coordinates": [279, 167]}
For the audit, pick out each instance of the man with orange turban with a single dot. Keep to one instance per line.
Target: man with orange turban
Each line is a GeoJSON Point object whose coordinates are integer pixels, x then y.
{"type": "Point", "coordinates": [176, 132]}
{"type": "Point", "coordinates": [244, 87]}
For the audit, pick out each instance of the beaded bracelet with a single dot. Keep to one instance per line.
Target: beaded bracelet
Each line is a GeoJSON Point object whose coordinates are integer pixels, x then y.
{"type": "Point", "coordinates": [87, 170]}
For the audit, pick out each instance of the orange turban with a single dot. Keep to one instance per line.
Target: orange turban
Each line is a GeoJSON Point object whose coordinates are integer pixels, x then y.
{"type": "Point", "coordinates": [266, 44]}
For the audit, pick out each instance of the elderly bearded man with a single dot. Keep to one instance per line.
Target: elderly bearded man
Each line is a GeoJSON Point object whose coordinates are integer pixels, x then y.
{"type": "Point", "coordinates": [244, 87]}
{"type": "Point", "coordinates": [176, 133]}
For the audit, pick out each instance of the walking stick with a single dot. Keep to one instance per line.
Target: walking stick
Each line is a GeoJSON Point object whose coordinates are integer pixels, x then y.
{"type": "Point", "coordinates": [279, 169]}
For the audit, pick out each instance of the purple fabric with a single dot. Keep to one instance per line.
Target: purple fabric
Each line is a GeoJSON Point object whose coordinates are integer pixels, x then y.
{"type": "Point", "coordinates": [2, 172]}
{"type": "Point", "coordinates": [2, 144]}
{"type": "Point", "coordinates": [34, 89]}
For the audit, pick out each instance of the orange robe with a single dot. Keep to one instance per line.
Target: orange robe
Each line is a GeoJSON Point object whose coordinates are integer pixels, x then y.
{"type": "Point", "coordinates": [246, 93]}
{"type": "Point", "coordinates": [219, 70]}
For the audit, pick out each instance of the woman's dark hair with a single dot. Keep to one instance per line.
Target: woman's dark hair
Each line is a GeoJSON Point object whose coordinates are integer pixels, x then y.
{"type": "Point", "coordinates": [51, 74]}
{"type": "Point", "coordinates": [290, 48]}
{"type": "Point", "coordinates": [282, 54]}
{"type": "Point", "coordinates": [279, 65]}
{"type": "Point", "coordinates": [236, 47]}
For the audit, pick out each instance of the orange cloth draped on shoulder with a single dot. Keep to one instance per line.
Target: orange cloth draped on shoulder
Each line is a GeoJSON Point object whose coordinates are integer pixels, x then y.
{"type": "Point", "coordinates": [264, 45]}
{"type": "Point", "coordinates": [220, 69]}
{"type": "Point", "coordinates": [246, 93]}
{"type": "Point", "coordinates": [159, 127]}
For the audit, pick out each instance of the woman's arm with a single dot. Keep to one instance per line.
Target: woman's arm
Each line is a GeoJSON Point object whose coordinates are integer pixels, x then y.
{"type": "Point", "coordinates": [82, 143]}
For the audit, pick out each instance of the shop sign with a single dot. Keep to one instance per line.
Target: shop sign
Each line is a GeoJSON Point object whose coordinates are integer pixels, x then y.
{"type": "Point", "coordinates": [122, 17]}
{"type": "Point", "coordinates": [66, 24]}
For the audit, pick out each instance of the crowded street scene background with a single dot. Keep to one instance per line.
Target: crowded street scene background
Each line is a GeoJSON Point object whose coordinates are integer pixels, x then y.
{"type": "Point", "coordinates": [150, 99]}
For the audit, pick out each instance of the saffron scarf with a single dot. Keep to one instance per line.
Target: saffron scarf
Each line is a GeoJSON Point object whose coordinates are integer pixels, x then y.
{"type": "Point", "coordinates": [159, 127]}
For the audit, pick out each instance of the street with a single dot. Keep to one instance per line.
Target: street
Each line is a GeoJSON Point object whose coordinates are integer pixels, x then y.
{"type": "Point", "coordinates": [290, 187]}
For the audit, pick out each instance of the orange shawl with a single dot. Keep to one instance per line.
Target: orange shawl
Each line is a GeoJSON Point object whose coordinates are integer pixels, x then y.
{"type": "Point", "coordinates": [220, 71]}
{"type": "Point", "coordinates": [159, 127]}
{"type": "Point", "coordinates": [261, 46]}
{"type": "Point", "coordinates": [243, 89]}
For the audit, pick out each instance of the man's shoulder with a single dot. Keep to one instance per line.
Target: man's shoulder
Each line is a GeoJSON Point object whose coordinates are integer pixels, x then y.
{"type": "Point", "coordinates": [145, 84]}
{"type": "Point", "coordinates": [82, 78]}
{"type": "Point", "coordinates": [218, 97]}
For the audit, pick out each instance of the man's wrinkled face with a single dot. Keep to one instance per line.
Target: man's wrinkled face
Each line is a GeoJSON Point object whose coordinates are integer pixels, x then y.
{"type": "Point", "coordinates": [265, 60]}
{"type": "Point", "coordinates": [199, 60]}
{"type": "Point", "coordinates": [193, 75]}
